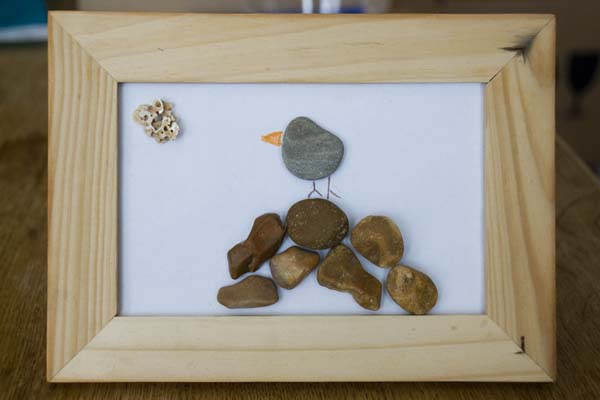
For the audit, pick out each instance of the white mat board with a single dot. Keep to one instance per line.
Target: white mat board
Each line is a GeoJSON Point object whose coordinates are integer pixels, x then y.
{"type": "Point", "coordinates": [414, 152]}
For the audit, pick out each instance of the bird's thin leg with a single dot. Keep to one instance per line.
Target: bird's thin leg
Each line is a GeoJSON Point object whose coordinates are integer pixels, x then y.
{"type": "Point", "coordinates": [329, 189]}
{"type": "Point", "coordinates": [314, 190]}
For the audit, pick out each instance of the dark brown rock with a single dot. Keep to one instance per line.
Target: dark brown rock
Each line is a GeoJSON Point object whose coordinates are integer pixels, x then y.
{"type": "Point", "coordinates": [412, 290]}
{"type": "Point", "coordinates": [379, 240]}
{"type": "Point", "coordinates": [262, 243]}
{"type": "Point", "coordinates": [253, 291]}
{"type": "Point", "coordinates": [239, 258]}
{"type": "Point", "coordinates": [342, 271]}
{"type": "Point", "coordinates": [317, 224]}
{"type": "Point", "coordinates": [290, 267]}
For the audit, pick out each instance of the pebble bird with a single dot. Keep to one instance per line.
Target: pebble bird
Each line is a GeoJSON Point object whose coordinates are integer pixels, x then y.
{"type": "Point", "coordinates": [309, 151]}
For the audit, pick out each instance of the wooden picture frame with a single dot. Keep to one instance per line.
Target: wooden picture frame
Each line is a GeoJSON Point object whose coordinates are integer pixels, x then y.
{"type": "Point", "coordinates": [90, 53]}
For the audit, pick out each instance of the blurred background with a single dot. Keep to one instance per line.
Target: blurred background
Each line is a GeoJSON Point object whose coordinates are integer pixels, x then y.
{"type": "Point", "coordinates": [24, 193]}
{"type": "Point", "coordinates": [23, 56]}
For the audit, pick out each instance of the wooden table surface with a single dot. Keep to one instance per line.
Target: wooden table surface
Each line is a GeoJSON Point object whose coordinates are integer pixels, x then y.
{"type": "Point", "coordinates": [23, 190]}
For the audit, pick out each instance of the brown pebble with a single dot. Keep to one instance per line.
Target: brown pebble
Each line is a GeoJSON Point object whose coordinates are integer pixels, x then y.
{"type": "Point", "coordinates": [412, 290]}
{"type": "Point", "coordinates": [341, 270]}
{"type": "Point", "coordinates": [262, 243]}
{"type": "Point", "coordinates": [379, 240]}
{"type": "Point", "coordinates": [253, 291]}
{"type": "Point", "coordinates": [317, 224]}
{"type": "Point", "coordinates": [239, 258]}
{"type": "Point", "coordinates": [290, 267]}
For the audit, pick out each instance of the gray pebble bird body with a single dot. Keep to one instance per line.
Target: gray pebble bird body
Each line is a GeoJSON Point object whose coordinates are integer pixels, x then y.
{"type": "Point", "coordinates": [309, 151]}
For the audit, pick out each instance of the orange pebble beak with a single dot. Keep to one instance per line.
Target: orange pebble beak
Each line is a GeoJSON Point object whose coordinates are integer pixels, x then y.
{"type": "Point", "coordinates": [273, 138]}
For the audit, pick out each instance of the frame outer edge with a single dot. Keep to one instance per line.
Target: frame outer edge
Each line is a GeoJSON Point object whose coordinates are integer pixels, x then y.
{"type": "Point", "coordinates": [535, 64]}
{"type": "Point", "coordinates": [49, 335]}
{"type": "Point", "coordinates": [99, 304]}
{"type": "Point", "coordinates": [52, 22]}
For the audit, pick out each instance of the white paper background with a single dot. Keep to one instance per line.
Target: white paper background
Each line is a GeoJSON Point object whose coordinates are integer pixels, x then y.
{"type": "Point", "coordinates": [414, 152]}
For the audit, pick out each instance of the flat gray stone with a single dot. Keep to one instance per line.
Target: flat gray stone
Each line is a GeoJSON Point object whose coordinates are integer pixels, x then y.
{"type": "Point", "coordinates": [309, 151]}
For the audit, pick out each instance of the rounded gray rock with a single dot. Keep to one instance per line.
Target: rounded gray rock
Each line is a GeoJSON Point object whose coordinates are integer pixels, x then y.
{"type": "Point", "coordinates": [309, 151]}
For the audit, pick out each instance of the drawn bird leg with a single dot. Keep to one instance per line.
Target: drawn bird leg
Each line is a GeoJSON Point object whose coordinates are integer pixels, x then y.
{"type": "Point", "coordinates": [329, 189]}
{"type": "Point", "coordinates": [314, 190]}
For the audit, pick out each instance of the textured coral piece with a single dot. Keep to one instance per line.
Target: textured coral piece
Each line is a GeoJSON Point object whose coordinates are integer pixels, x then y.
{"type": "Point", "coordinates": [158, 120]}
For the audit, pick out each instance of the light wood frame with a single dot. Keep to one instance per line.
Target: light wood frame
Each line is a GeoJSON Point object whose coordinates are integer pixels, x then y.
{"type": "Point", "coordinates": [90, 53]}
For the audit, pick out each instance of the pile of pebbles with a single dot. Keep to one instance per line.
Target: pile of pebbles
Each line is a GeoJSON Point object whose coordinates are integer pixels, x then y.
{"type": "Point", "coordinates": [318, 224]}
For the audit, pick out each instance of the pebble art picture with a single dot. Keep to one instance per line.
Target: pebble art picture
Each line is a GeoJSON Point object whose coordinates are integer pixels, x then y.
{"type": "Point", "coordinates": [311, 153]}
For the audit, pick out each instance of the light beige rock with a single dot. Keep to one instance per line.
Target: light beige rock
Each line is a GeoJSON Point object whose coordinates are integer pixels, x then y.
{"type": "Point", "coordinates": [379, 240]}
{"type": "Point", "coordinates": [342, 271]}
{"type": "Point", "coordinates": [412, 290]}
{"type": "Point", "coordinates": [253, 291]}
{"type": "Point", "coordinates": [290, 267]}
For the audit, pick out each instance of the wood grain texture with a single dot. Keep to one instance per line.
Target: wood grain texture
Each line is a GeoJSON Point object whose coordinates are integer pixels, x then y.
{"type": "Point", "coordinates": [89, 51]}
{"type": "Point", "coordinates": [23, 238]}
{"type": "Point", "coordinates": [519, 193]}
{"type": "Point", "coordinates": [326, 348]}
{"type": "Point", "coordinates": [82, 199]}
{"type": "Point", "coordinates": [146, 47]}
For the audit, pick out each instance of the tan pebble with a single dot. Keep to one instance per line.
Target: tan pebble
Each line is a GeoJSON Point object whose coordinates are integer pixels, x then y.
{"type": "Point", "coordinates": [379, 240]}
{"type": "Point", "coordinates": [341, 270]}
{"type": "Point", "coordinates": [253, 291]}
{"type": "Point", "coordinates": [412, 290]}
{"type": "Point", "coordinates": [290, 267]}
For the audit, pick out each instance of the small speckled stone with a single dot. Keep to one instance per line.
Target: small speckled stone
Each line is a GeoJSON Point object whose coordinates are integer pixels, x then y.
{"type": "Point", "coordinates": [342, 271]}
{"type": "Point", "coordinates": [379, 240]}
{"type": "Point", "coordinates": [253, 291]}
{"type": "Point", "coordinates": [262, 243]}
{"type": "Point", "coordinates": [412, 290]}
{"type": "Point", "coordinates": [309, 151]}
{"type": "Point", "coordinates": [290, 267]}
{"type": "Point", "coordinates": [316, 224]}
